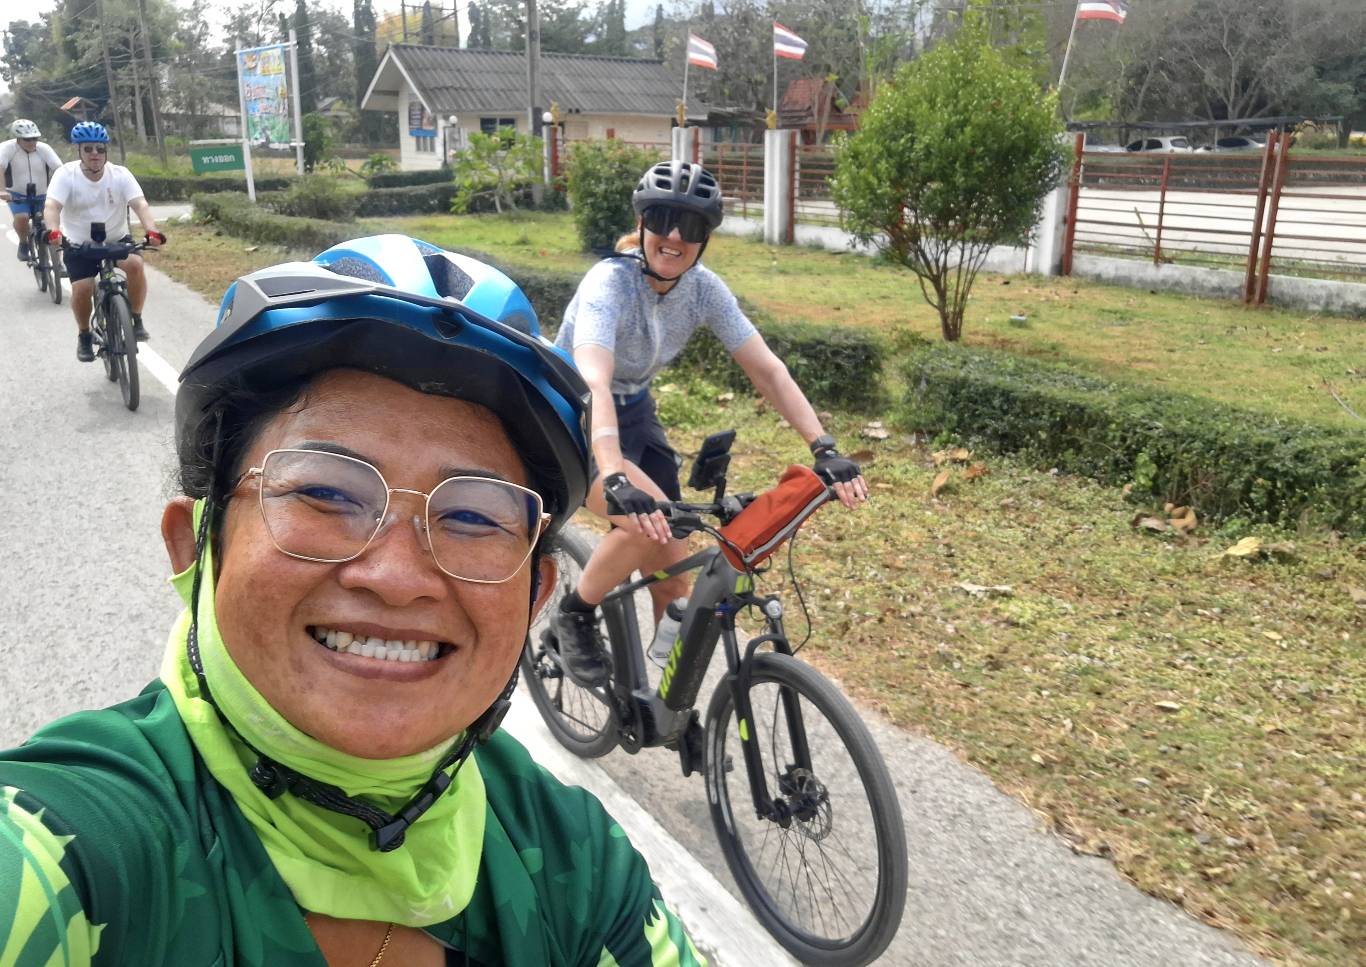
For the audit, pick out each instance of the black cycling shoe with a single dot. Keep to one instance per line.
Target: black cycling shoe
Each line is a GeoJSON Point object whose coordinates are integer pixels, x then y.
{"type": "Point", "coordinates": [584, 659]}
{"type": "Point", "coordinates": [139, 330]}
{"type": "Point", "coordinates": [85, 347]}
{"type": "Point", "coordinates": [23, 252]}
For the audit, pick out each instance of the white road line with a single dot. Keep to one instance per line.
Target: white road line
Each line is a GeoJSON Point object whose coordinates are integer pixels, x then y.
{"type": "Point", "coordinates": [150, 359]}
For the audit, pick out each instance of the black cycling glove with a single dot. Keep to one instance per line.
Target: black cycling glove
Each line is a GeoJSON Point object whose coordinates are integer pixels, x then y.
{"type": "Point", "coordinates": [624, 497]}
{"type": "Point", "coordinates": [832, 466]}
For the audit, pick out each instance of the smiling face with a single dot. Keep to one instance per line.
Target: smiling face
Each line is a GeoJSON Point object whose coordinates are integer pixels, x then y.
{"type": "Point", "coordinates": [669, 255]}
{"type": "Point", "coordinates": [273, 608]}
{"type": "Point", "coordinates": [94, 157]}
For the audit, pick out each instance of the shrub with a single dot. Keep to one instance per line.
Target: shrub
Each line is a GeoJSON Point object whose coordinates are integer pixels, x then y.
{"type": "Point", "coordinates": [496, 167]}
{"type": "Point", "coordinates": [378, 163]}
{"type": "Point", "coordinates": [1222, 460]}
{"type": "Point", "coordinates": [404, 179]}
{"type": "Point", "coordinates": [600, 176]}
{"type": "Point", "coordinates": [158, 188]}
{"type": "Point", "coordinates": [414, 200]}
{"type": "Point", "coordinates": [237, 216]}
{"type": "Point", "coordinates": [317, 196]}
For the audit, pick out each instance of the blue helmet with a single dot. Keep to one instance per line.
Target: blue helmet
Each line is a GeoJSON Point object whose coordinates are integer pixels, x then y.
{"type": "Point", "coordinates": [89, 132]}
{"type": "Point", "coordinates": [430, 319]}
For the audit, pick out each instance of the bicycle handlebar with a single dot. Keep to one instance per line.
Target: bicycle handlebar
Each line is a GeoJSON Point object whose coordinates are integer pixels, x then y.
{"type": "Point", "coordinates": [102, 250]}
{"type": "Point", "coordinates": [686, 518]}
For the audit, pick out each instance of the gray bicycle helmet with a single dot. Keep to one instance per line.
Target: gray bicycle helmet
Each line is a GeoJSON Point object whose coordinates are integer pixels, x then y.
{"type": "Point", "coordinates": [680, 184]}
{"type": "Point", "coordinates": [24, 128]}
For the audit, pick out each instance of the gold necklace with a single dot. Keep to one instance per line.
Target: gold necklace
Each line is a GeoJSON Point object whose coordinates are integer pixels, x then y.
{"type": "Point", "coordinates": [383, 946]}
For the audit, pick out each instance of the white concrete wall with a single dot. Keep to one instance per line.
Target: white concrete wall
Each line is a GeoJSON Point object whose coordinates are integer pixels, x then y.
{"type": "Point", "coordinates": [409, 158]}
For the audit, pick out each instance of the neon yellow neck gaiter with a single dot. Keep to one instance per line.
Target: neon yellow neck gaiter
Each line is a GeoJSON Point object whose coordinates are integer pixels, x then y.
{"type": "Point", "coordinates": [325, 857]}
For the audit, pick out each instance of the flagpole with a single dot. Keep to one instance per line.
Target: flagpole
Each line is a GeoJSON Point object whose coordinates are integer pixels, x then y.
{"type": "Point", "coordinates": [685, 84]}
{"type": "Point", "coordinates": [1062, 77]}
{"type": "Point", "coordinates": [775, 78]}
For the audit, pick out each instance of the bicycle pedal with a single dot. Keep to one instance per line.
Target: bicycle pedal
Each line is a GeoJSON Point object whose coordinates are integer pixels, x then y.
{"type": "Point", "coordinates": [691, 746]}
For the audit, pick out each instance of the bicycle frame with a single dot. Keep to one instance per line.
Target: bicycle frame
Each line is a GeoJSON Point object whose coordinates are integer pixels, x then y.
{"type": "Point", "coordinates": [662, 716]}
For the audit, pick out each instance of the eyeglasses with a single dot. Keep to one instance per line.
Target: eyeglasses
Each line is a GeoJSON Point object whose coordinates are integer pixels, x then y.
{"type": "Point", "coordinates": [329, 508]}
{"type": "Point", "coordinates": [28, 140]}
{"type": "Point", "coordinates": [94, 149]}
{"type": "Point", "coordinates": [661, 219]}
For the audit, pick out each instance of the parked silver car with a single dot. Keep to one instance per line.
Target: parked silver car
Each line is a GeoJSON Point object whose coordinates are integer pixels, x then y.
{"type": "Point", "coordinates": [1163, 145]}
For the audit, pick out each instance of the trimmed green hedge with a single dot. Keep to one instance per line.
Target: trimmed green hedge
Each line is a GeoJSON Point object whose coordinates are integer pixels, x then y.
{"type": "Point", "coordinates": [414, 200]}
{"type": "Point", "coordinates": [407, 179]}
{"type": "Point", "coordinates": [160, 188]}
{"type": "Point", "coordinates": [237, 216]}
{"type": "Point", "coordinates": [1225, 461]}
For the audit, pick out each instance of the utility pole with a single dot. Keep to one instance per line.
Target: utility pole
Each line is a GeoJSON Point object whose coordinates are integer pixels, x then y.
{"type": "Point", "coordinates": [109, 81]}
{"type": "Point", "coordinates": [403, 16]}
{"type": "Point", "coordinates": [152, 82]}
{"type": "Point", "coordinates": [533, 65]}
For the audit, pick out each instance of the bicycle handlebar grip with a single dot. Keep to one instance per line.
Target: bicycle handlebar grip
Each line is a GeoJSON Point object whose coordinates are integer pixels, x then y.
{"type": "Point", "coordinates": [54, 237]}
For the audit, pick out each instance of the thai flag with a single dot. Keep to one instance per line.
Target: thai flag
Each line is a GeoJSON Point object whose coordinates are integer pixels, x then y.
{"type": "Point", "coordinates": [701, 53]}
{"type": "Point", "coordinates": [1115, 10]}
{"type": "Point", "coordinates": [786, 43]}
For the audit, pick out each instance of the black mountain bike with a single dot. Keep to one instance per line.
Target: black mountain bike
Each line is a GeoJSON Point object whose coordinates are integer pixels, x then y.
{"type": "Point", "coordinates": [801, 800]}
{"type": "Point", "coordinates": [43, 259]}
{"type": "Point", "coordinates": [111, 322]}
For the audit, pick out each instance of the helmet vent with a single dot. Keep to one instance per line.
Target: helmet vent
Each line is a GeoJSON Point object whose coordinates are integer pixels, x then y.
{"type": "Point", "coordinates": [275, 288]}
{"type": "Point", "coordinates": [358, 269]}
{"type": "Point", "coordinates": [451, 281]}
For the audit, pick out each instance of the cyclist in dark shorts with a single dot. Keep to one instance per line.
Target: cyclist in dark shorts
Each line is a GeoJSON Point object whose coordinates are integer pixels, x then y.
{"type": "Point", "coordinates": [630, 317]}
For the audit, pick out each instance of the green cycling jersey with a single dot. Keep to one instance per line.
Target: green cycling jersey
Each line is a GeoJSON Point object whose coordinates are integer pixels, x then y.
{"type": "Point", "coordinates": [117, 846]}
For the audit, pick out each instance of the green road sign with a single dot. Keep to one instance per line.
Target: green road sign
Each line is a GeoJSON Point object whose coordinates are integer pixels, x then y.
{"type": "Point", "coordinates": [216, 157]}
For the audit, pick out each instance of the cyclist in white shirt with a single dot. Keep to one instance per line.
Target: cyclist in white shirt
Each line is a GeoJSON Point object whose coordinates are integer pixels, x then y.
{"type": "Point", "coordinates": [89, 192]}
{"type": "Point", "coordinates": [25, 161]}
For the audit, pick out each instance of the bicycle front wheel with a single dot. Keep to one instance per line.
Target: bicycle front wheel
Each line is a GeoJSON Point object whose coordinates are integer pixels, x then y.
{"type": "Point", "coordinates": [580, 719]}
{"type": "Point", "coordinates": [54, 273]}
{"type": "Point", "coordinates": [123, 348]}
{"type": "Point", "coordinates": [38, 252]}
{"type": "Point", "coordinates": [828, 878]}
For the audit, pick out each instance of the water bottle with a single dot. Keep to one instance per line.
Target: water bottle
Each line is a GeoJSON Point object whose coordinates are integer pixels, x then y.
{"type": "Point", "coordinates": [667, 632]}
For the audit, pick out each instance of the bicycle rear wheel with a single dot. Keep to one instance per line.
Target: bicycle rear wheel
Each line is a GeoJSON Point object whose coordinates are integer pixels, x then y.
{"type": "Point", "coordinates": [829, 881]}
{"type": "Point", "coordinates": [580, 719]}
{"type": "Point", "coordinates": [123, 348]}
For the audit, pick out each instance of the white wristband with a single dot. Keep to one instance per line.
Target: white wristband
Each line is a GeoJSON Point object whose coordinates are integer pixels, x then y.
{"type": "Point", "coordinates": [605, 431]}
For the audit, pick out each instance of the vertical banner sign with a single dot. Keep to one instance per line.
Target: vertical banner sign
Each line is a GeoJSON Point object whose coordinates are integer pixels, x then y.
{"type": "Point", "coordinates": [265, 94]}
{"type": "Point", "coordinates": [420, 123]}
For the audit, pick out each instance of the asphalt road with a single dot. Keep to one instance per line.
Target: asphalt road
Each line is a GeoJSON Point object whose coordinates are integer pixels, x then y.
{"type": "Point", "coordinates": [86, 608]}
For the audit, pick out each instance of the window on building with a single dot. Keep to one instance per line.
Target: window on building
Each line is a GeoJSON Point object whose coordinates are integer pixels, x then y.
{"type": "Point", "coordinates": [425, 145]}
{"type": "Point", "coordinates": [491, 125]}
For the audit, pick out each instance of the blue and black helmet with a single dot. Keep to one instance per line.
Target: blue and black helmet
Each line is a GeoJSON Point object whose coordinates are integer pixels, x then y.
{"type": "Point", "coordinates": [89, 132]}
{"type": "Point", "coordinates": [436, 321]}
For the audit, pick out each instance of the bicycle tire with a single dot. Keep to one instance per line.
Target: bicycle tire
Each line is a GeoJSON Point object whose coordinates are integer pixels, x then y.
{"type": "Point", "coordinates": [849, 784]}
{"type": "Point", "coordinates": [38, 253]}
{"type": "Point", "coordinates": [580, 719]}
{"type": "Point", "coordinates": [55, 274]}
{"type": "Point", "coordinates": [119, 330]}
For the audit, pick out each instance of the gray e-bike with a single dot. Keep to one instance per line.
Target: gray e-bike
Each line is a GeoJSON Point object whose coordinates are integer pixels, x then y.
{"type": "Point", "coordinates": [801, 800]}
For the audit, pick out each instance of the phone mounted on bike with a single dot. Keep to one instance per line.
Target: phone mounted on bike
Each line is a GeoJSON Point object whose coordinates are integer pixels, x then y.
{"type": "Point", "coordinates": [709, 469]}
{"type": "Point", "coordinates": [97, 232]}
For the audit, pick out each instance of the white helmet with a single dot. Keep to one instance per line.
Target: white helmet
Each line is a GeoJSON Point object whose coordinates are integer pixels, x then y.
{"type": "Point", "coordinates": [24, 128]}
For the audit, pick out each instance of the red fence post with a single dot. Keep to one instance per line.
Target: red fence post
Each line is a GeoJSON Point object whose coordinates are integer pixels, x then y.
{"type": "Point", "coordinates": [554, 132]}
{"type": "Point", "coordinates": [1282, 160]}
{"type": "Point", "coordinates": [697, 146]}
{"type": "Point", "coordinates": [793, 173]}
{"type": "Point", "coordinates": [1162, 209]}
{"type": "Point", "coordinates": [1073, 195]}
{"type": "Point", "coordinates": [1268, 155]}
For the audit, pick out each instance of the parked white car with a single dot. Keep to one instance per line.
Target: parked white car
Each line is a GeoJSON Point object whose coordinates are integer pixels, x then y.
{"type": "Point", "coordinates": [1162, 145]}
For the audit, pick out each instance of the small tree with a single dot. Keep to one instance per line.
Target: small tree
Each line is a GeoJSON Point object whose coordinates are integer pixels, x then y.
{"type": "Point", "coordinates": [318, 140]}
{"type": "Point", "coordinates": [955, 155]}
{"type": "Point", "coordinates": [495, 166]}
{"type": "Point", "coordinates": [599, 177]}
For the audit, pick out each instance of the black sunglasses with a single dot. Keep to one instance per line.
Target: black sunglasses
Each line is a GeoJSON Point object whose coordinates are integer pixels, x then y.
{"type": "Point", "coordinates": [94, 149]}
{"type": "Point", "coordinates": [661, 219]}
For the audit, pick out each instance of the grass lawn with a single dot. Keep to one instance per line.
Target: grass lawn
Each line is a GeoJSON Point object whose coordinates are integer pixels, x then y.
{"type": "Point", "coordinates": [1198, 719]}
{"type": "Point", "coordinates": [1276, 361]}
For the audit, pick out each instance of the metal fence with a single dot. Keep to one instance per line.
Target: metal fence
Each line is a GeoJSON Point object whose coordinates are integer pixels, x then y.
{"type": "Point", "coordinates": [1277, 211]}
{"type": "Point", "coordinates": [740, 169]}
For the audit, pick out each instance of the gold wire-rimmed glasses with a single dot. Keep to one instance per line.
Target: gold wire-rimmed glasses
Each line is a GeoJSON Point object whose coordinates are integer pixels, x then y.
{"type": "Point", "coordinates": [329, 507]}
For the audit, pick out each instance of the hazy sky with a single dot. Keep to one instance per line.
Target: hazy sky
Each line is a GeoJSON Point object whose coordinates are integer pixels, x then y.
{"type": "Point", "coordinates": [638, 12]}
